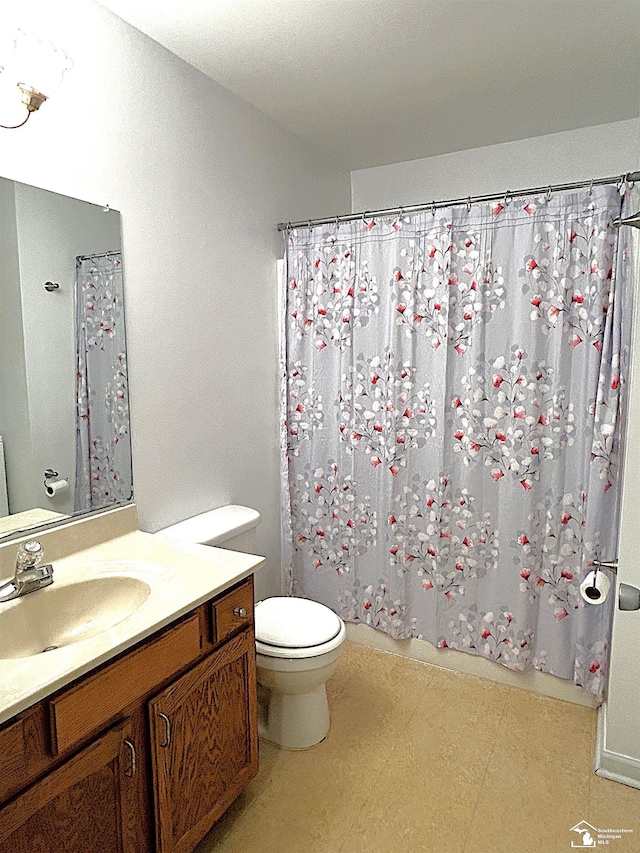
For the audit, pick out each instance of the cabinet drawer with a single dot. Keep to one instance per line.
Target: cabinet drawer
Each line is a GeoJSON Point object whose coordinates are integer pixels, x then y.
{"type": "Point", "coordinates": [99, 698]}
{"type": "Point", "coordinates": [233, 611]}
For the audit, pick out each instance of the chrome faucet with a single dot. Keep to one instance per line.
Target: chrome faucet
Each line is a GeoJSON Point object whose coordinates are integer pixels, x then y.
{"type": "Point", "coordinates": [29, 575]}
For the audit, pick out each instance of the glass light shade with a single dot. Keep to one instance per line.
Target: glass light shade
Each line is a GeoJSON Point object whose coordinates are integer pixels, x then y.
{"type": "Point", "coordinates": [38, 64]}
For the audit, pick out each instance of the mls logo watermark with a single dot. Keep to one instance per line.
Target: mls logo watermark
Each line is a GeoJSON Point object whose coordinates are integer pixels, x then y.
{"type": "Point", "coordinates": [587, 837]}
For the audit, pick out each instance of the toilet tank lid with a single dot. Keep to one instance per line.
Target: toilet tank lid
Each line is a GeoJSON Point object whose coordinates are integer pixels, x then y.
{"type": "Point", "coordinates": [214, 527]}
{"type": "Point", "coordinates": [295, 622]}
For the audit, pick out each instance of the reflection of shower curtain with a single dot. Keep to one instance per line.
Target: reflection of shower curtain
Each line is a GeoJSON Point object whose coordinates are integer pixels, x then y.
{"type": "Point", "coordinates": [453, 392]}
{"type": "Point", "coordinates": [103, 450]}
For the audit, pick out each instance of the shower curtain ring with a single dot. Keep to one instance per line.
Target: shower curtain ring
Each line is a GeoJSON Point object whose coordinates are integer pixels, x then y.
{"type": "Point", "coordinates": [506, 198]}
{"type": "Point", "coordinates": [591, 187]}
{"type": "Point", "coordinates": [548, 195]}
{"type": "Point", "coordinates": [468, 204]}
{"type": "Point", "coordinates": [433, 207]}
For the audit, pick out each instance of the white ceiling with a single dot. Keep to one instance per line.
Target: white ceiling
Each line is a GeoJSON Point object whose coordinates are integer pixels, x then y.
{"type": "Point", "coordinates": [382, 81]}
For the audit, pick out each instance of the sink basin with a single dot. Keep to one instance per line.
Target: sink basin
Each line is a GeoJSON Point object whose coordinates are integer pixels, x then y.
{"type": "Point", "coordinates": [62, 614]}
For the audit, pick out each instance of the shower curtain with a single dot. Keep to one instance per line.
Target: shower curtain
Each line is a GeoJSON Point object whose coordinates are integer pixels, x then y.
{"type": "Point", "coordinates": [452, 414]}
{"type": "Point", "coordinates": [103, 458]}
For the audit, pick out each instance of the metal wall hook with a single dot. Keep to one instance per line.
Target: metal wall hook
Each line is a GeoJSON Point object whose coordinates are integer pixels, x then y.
{"type": "Point", "coordinates": [633, 220]}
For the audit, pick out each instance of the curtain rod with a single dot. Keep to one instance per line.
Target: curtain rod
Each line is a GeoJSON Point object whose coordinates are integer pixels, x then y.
{"type": "Point", "coordinates": [98, 255]}
{"type": "Point", "coordinates": [629, 177]}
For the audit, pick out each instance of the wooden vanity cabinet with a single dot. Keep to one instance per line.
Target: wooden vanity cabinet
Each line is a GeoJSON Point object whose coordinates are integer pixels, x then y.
{"type": "Point", "coordinates": [91, 802]}
{"type": "Point", "coordinates": [145, 753]}
{"type": "Point", "coordinates": [204, 743]}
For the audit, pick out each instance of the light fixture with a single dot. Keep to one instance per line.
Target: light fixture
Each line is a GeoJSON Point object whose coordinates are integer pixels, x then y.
{"type": "Point", "coordinates": [31, 70]}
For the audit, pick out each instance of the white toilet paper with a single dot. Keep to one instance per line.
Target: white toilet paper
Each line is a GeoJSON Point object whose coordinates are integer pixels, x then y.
{"type": "Point", "coordinates": [602, 586]}
{"type": "Point", "coordinates": [54, 487]}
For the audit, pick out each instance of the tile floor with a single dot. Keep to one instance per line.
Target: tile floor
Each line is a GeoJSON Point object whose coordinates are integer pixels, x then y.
{"type": "Point", "coordinates": [422, 760]}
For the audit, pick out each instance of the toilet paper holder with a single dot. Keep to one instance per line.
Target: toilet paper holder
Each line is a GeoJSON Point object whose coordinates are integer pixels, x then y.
{"type": "Point", "coordinates": [628, 596]}
{"type": "Point", "coordinates": [53, 486]}
{"type": "Point", "coordinates": [49, 474]}
{"type": "Point", "coordinates": [609, 565]}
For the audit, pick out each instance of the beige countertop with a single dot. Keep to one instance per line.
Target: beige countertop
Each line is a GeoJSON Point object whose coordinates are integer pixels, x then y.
{"type": "Point", "coordinates": [180, 576]}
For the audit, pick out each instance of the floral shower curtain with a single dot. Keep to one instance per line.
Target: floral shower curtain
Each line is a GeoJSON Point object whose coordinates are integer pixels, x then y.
{"type": "Point", "coordinates": [103, 458]}
{"type": "Point", "coordinates": [452, 407]}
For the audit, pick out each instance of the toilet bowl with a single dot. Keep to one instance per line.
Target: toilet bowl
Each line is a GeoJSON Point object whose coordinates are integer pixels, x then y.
{"type": "Point", "coordinates": [298, 644]}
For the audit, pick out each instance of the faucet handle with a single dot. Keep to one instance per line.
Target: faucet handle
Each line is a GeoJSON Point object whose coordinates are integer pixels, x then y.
{"type": "Point", "coordinates": [29, 555]}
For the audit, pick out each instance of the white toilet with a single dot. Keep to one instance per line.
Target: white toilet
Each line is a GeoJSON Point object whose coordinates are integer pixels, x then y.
{"type": "Point", "coordinates": [298, 642]}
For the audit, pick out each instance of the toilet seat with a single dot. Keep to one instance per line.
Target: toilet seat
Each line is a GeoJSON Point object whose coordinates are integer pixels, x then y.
{"type": "Point", "coordinates": [289, 627]}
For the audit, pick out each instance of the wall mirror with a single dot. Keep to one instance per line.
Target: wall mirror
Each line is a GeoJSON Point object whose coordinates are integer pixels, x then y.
{"type": "Point", "coordinates": [64, 413]}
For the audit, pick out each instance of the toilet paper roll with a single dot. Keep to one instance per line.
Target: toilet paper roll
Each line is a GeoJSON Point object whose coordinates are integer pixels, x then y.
{"type": "Point", "coordinates": [54, 487]}
{"type": "Point", "coordinates": [602, 585]}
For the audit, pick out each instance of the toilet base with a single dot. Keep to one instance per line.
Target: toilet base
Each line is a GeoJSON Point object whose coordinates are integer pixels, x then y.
{"type": "Point", "coordinates": [294, 721]}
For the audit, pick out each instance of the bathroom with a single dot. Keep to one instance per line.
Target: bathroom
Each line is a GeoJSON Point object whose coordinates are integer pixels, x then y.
{"type": "Point", "coordinates": [201, 179]}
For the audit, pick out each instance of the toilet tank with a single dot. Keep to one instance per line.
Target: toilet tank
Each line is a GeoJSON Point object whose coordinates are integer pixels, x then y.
{"type": "Point", "coordinates": [232, 527]}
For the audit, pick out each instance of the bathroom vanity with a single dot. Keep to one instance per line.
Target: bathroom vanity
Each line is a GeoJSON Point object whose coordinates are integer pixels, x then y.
{"type": "Point", "coordinates": [142, 736]}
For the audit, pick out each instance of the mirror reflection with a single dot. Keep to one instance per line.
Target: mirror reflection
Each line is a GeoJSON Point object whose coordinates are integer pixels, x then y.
{"type": "Point", "coordinates": [64, 409]}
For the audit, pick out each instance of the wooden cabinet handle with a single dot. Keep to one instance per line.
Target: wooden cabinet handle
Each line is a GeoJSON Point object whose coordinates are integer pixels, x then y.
{"type": "Point", "coordinates": [167, 725]}
{"type": "Point", "coordinates": [240, 612]}
{"type": "Point", "coordinates": [132, 749]}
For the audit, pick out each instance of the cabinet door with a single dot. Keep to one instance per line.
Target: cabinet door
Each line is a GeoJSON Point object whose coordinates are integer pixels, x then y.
{"type": "Point", "coordinates": [86, 804]}
{"type": "Point", "coordinates": [204, 743]}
